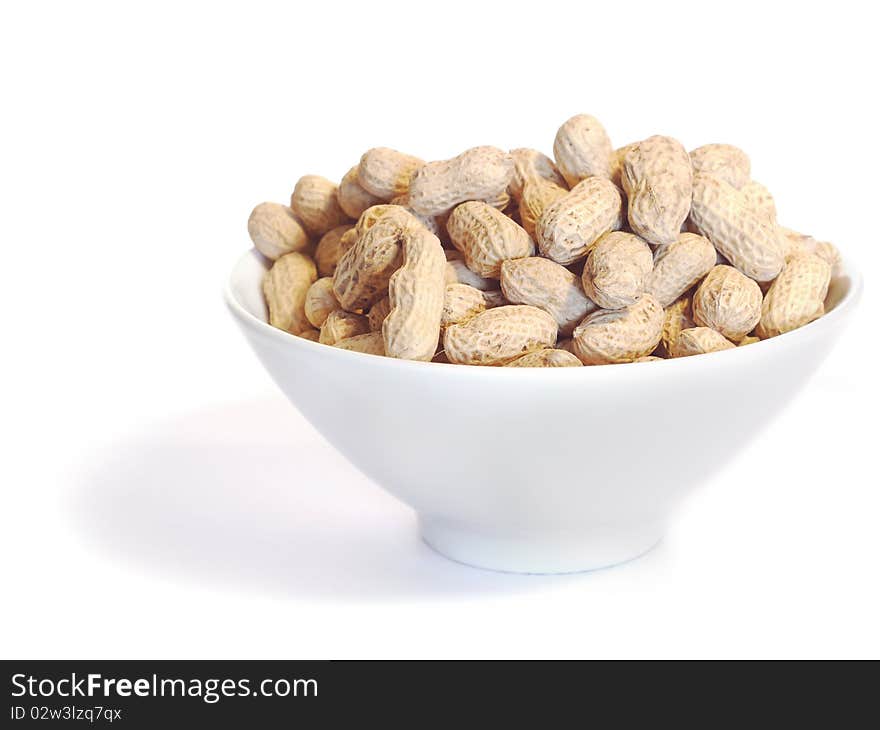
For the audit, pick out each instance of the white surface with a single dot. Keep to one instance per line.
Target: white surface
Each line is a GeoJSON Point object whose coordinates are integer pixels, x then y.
{"type": "Point", "coordinates": [160, 498]}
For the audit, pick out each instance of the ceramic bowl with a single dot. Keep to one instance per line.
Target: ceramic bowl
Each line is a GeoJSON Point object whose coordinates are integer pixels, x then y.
{"type": "Point", "coordinates": [538, 470]}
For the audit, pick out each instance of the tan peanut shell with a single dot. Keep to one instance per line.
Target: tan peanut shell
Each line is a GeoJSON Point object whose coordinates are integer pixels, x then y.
{"type": "Point", "coordinates": [699, 341]}
{"type": "Point", "coordinates": [621, 335]}
{"type": "Point", "coordinates": [332, 246]}
{"type": "Point", "coordinates": [353, 199]}
{"type": "Point", "coordinates": [387, 173]}
{"type": "Point", "coordinates": [314, 202]}
{"type": "Point", "coordinates": [370, 343]}
{"type": "Point", "coordinates": [548, 358]}
{"type": "Point", "coordinates": [529, 164]}
{"type": "Point", "coordinates": [340, 325]}
{"type": "Point", "coordinates": [759, 200]}
{"type": "Point", "coordinates": [751, 244]}
{"type": "Point", "coordinates": [676, 317]}
{"type": "Point", "coordinates": [487, 237]}
{"type": "Point", "coordinates": [724, 161]}
{"type": "Point", "coordinates": [547, 285]}
{"type": "Point", "coordinates": [537, 195]}
{"type": "Point", "coordinates": [748, 340]}
{"type": "Point", "coordinates": [796, 297]}
{"type": "Point", "coordinates": [416, 291]}
{"type": "Point", "coordinates": [727, 301]}
{"type": "Point", "coordinates": [457, 272]}
{"type": "Point", "coordinates": [617, 163]}
{"type": "Point", "coordinates": [480, 173]}
{"type": "Point", "coordinates": [320, 301]}
{"type": "Point", "coordinates": [460, 303]}
{"type": "Point", "coordinates": [657, 179]}
{"type": "Point", "coordinates": [284, 288]}
{"type": "Point", "coordinates": [378, 312]}
{"type": "Point", "coordinates": [275, 231]}
{"type": "Point", "coordinates": [616, 270]}
{"type": "Point", "coordinates": [582, 149]}
{"type": "Point", "coordinates": [500, 335]}
{"type": "Point", "coordinates": [362, 276]}
{"type": "Point", "coordinates": [569, 226]}
{"type": "Point", "coordinates": [648, 358]}
{"type": "Point", "coordinates": [310, 334]}
{"type": "Point", "coordinates": [800, 243]}
{"type": "Point", "coordinates": [431, 223]}
{"type": "Point", "coordinates": [678, 266]}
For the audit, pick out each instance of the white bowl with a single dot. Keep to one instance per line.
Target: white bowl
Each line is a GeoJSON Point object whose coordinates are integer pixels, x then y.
{"type": "Point", "coordinates": [538, 470]}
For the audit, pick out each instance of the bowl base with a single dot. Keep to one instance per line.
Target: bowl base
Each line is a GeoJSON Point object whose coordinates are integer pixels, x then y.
{"type": "Point", "coordinates": [592, 548]}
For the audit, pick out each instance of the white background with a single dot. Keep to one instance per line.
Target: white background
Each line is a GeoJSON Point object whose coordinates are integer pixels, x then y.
{"type": "Point", "coordinates": [161, 499]}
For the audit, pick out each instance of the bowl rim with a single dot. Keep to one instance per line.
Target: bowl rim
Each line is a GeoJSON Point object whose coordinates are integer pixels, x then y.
{"type": "Point", "coordinates": [840, 311]}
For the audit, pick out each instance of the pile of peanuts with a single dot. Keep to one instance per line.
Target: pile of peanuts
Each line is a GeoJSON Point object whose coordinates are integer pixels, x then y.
{"type": "Point", "coordinates": [597, 256]}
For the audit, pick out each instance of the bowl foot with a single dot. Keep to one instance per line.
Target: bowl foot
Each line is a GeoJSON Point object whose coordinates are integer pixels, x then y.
{"type": "Point", "coordinates": [593, 547]}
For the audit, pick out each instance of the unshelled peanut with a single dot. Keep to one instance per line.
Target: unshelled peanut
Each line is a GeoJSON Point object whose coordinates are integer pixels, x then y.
{"type": "Point", "coordinates": [284, 288]}
{"type": "Point", "coordinates": [678, 266]}
{"type": "Point", "coordinates": [275, 231]}
{"type": "Point", "coordinates": [699, 341]}
{"type": "Point", "coordinates": [621, 335]}
{"type": "Point", "coordinates": [487, 237]}
{"type": "Point", "coordinates": [796, 297]}
{"type": "Point", "coordinates": [616, 270]}
{"type": "Point", "coordinates": [499, 336]}
{"type": "Point", "coordinates": [314, 202]}
{"type": "Point", "coordinates": [582, 149]}
{"type": "Point", "coordinates": [727, 301]}
{"type": "Point", "coordinates": [546, 359]}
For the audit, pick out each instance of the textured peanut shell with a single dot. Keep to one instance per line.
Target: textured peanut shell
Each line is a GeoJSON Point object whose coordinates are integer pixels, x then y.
{"type": "Point", "coordinates": [310, 334]}
{"type": "Point", "coordinates": [621, 335]}
{"type": "Point", "coordinates": [759, 200]}
{"type": "Point", "coordinates": [657, 179]}
{"type": "Point", "coordinates": [487, 237]}
{"type": "Point", "coordinates": [800, 243]}
{"type": "Point", "coordinates": [548, 358]}
{"type": "Point", "coordinates": [499, 336]}
{"type": "Point", "coordinates": [416, 291]}
{"type": "Point", "coordinates": [569, 226]}
{"type": "Point", "coordinates": [617, 164]}
{"type": "Point", "coordinates": [284, 288]}
{"type": "Point", "coordinates": [529, 164]}
{"type": "Point", "coordinates": [362, 276]}
{"type": "Point", "coordinates": [751, 244]}
{"type": "Point", "coordinates": [457, 272]}
{"type": "Point", "coordinates": [314, 202]}
{"type": "Point", "coordinates": [678, 266]}
{"type": "Point", "coordinates": [370, 344]}
{"type": "Point", "coordinates": [727, 301]}
{"type": "Point", "coordinates": [432, 224]}
{"type": "Point", "coordinates": [332, 247]}
{"type": "Point", "coordinates": [387, 173]}
{"type": "Point", "coordinates": [275, 231]}
{"type": "Point", "coordinates": [340, 325]}
{"type": "Point", "coordinates": [378, 312]}
{"type": "Point", "coordinates": [353, 199]}
{"type": "Point", "coordinates": [320, 301]}
{"type": "Point", "coordinates": [724, 161]}
{"type": "Point", "coordinates": [748, 340]}
{"type": "Point", "coordinates": [536, 196]}
{"type": "Point", "coordinates": [480, 173]}
{"type": "Point", "coordinates": [676, 317]}
{"type": "Point", "coordinates": [616, 270]}
{"type": "Point", "coordinates": [460, 303]}
{"type": "Point", "coordinates": [699, 341]}
{"type": "Point", "coordinates": [547, 285]}
{"type": "Point", "coordinates": [582, 149]}
{"type": "Point", "coordinates": [796, 297]}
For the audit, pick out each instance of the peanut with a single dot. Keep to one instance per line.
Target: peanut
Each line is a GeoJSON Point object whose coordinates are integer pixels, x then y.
{"type": "Point", "coordinates": [724, 161]}
{"type": "Point", "coordinates": [796, 297]}
{"type": "Point", "coordinates": [545, 284]}
{"type": "Point", "coordinates": [530, 164]}
{"type": "Point", "coordinates": [499, 336]}
{"type": "Point", "coordinates": [616, 270]}
{"type": "Point", "coordinates": [431, 223]}
{"type": "Point", "coordinates": [548, 358]}
{"type": "Point", "coordinates": [412, 327]}
{"type": "Point", "coordinates": [699, 341]}
{"type": "Point", "coordinates": [320, 301]}
{"type": "Point", "coordinates": [480, 173]}
{"type": "Point", "coordinates": [729, 302]}
{"type": "Point", "coordinates": [759, 200]}
{"type": "Point", "coordinates": [537, 195]}
{"type": "Point", "coordinates": [617, 164]}
{"type": "Point", "coordinates": [797, 243]}
{"type": "Point", "coordinates": [361, 279]}
{"type": "Point", "coordinates": [678, 266]}
{"type": "Point", "coordinates": [387, 173]}
{"type": "Point", "coordinates": [378, 312]}
{"type": "Point", "coordinates": [332, 247]}
{"type": "Point", "coordinates": [353, 199]}
{"type": "Point", "coordinates": [340, 325]}
{"type": "Point", "coordinates": [657, 179]}
{"type": "Point", "coordinates": [487, 237]}
{"type": "Point", "coordinates": [571, 225]}
{"type": "Point", "coordinates": [314, 202]}
{"type": "Point", "coordinates": [285, 286]}
{"type": "Point", "coordinates": [370, 343]}
{"type": "Point", "coordinates": [457, 272]}
{"type": "Point", "coordinates": [310, 334]}
{"type": "Point", "coordinates": [582, 149]}
{"type": "Point", "coordinates": [621, 335]}
{"type": "Point", "coordinates": [721, 213]}
{"type": "Point", "coordinates": [275, 231]}
{"type": "Point", "coordinates": [460, 303]}
{"type": "Point", "coordinates": [676, 317]}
